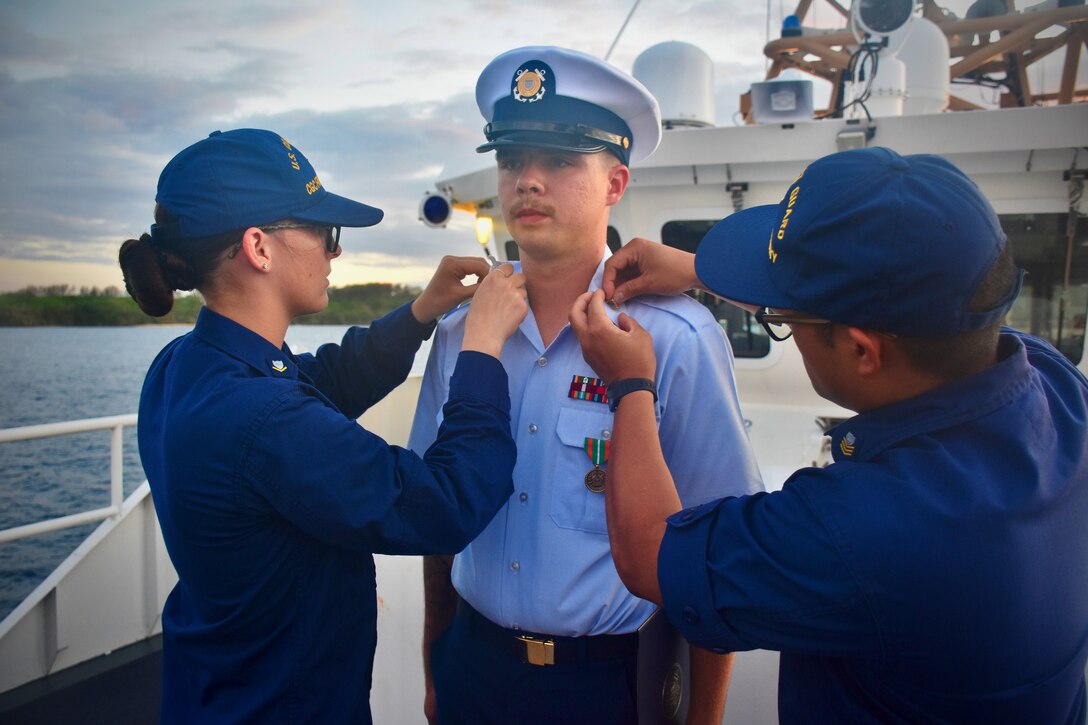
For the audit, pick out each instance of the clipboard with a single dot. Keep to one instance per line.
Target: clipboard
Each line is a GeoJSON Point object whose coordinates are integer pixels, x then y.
{"type": "Point", "coordinates": [663, 687]}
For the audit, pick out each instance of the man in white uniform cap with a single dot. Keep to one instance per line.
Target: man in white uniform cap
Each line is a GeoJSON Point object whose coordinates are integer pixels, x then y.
{"type": "Point", "coordinates": [536, 625]}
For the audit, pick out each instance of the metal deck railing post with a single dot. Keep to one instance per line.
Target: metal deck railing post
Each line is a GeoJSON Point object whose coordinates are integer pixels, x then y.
{"type": "Point", "coordinates": [117, 490]}
{"type": "Point", "coordinates": [116, 425]}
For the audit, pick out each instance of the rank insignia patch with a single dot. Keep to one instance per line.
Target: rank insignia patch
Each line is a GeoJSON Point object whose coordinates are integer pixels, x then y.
{"type": "Point", "coordinates": [846, 445]}
{"type": "Point", "coordinates": [587, 388]}
{"type": "Point", "coordinates": [278, 366]}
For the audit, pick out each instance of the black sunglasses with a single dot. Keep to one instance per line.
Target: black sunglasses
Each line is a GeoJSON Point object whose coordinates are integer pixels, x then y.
{"type": "Point", "coordinates": [332, 234]}
{"type": "Point", "coordinates": [777, 324]}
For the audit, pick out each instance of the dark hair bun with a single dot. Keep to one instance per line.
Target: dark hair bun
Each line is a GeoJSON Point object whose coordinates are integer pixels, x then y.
{"type": "Point", "coordinates": [145, 278]}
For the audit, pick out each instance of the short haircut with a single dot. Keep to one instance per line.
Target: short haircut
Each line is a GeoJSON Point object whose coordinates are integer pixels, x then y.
{"type": "Point", "coordinates": [956, 356]}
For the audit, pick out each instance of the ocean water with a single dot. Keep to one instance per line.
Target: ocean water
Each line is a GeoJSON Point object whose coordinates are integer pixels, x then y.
{"type": "Point", "coordinates": [53, 374]}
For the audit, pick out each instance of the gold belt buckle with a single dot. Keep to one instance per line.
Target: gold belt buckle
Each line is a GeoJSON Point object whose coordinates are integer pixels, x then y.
{"type": "Point", "coordinates": [539, 652]}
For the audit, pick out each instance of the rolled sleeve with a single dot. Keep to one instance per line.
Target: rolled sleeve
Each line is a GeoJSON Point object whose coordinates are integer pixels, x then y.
{"type": "Point", "coordinates": [479, 375]}
{"type": "Point", "coordinates": [685, 580]}
{"type": "Point", "coordinates": [766, 571]}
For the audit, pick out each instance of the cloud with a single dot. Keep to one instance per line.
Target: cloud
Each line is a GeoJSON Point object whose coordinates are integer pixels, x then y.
{"type": "Point", "coordinates": [86, 147]}
{"type": "Point", "coordinates": [19, 45]}
{"type": "Point", "coordinates": [95, 98]}
{"type": "Point", "coordinates": [387, 156]}
{"type": "Point", "coordinates": [96, 143]}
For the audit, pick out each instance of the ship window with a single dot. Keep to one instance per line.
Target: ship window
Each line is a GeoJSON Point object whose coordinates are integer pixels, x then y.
{"type": "Point", "coordinates": [1054, 301]}
{"type": "Point", "coordinates": [746, 336]}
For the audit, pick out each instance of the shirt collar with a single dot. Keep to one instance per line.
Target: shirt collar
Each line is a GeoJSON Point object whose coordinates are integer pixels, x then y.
{"type": "Point", "coordinates": [594, 285]}
{"type": "Point", "coordinates": [868, 434]}
{"type": "Point", "coordinates": [244, 344]}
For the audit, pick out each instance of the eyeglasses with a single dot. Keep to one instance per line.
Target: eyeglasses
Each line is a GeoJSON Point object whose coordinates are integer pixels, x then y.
{"type": "Point", "coordinates": [332, 234]}
{"type": "Point", "coordinates": [777, 325]}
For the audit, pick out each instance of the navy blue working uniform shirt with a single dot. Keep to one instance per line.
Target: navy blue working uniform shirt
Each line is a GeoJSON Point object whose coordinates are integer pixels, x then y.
{"type": "Point", "coordinates": [272, 498]}
{"type": "Point", "coordinates": [937, 571]}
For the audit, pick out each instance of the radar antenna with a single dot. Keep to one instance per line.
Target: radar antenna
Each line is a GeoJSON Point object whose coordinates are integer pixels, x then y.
{"type": "Point", "coordinates": [622, 28]}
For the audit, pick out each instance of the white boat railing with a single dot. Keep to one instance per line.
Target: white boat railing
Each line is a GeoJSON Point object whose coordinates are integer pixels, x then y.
{"type": "Point", "coordinates": [114, 423]}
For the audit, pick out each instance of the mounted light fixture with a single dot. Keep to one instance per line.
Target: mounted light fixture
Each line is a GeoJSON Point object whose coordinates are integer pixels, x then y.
{"type": "Point", "coordinates": [435, 209]}
{"type": "Point", "coordinates": [880, 18]}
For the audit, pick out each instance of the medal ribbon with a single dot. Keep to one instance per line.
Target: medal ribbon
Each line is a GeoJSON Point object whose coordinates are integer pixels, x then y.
{"type": "Point", "coordinates": [583, 387]}
{"type": "Point", "coordinates": [597, 450]}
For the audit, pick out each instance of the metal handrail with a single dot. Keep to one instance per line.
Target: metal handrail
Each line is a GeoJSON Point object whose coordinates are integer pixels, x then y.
{"type": "Point", "coordinates": [114, 423]}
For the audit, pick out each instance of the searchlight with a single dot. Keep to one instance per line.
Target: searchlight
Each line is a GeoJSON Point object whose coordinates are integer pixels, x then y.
{"type": "Point", "coordinates": [435, 209]}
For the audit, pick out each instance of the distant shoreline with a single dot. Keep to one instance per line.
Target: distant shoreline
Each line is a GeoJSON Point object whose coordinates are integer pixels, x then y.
{"type": "Point", "coordinates": [353, 305]}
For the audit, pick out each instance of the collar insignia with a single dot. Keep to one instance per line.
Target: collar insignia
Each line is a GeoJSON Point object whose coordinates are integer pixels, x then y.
{"type": "Point", "coordinates": [278, 366]}
{"type": "Point", "coordinates": [846, 445]}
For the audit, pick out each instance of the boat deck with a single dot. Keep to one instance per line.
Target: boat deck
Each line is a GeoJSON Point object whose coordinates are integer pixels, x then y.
{"type": "Point", "coordinates": [122, 687]}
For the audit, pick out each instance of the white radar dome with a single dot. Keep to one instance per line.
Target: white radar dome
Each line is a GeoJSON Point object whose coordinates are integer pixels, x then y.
{"type": "Point", "coordinates": [681, 77]}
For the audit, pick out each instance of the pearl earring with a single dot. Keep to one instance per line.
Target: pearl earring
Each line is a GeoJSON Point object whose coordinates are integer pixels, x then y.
{"type": "Point", "coordinates": [264, 266]}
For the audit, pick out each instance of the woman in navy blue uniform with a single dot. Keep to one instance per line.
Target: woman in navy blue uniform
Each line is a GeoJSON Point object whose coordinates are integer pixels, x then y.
{"type": "Point", "coordinates": [270, 495]}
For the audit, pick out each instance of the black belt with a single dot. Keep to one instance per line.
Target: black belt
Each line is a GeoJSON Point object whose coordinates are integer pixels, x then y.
{"type": "Point", "coordinates": [546, 649]}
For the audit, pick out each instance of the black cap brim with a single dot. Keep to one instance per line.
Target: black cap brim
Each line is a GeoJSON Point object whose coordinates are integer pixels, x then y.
{"type": "Point", "coordinates": [554, 141]}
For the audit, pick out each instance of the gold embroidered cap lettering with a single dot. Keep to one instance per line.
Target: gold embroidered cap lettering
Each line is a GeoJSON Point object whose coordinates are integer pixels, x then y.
{"type": "Point", "coordinates": [789, 210]}
{"type": "Point", "coordinates": [781, 234]}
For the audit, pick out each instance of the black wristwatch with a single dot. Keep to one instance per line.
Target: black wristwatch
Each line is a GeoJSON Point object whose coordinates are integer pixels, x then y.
{"type": "Point", "coordinates": [620, 388]}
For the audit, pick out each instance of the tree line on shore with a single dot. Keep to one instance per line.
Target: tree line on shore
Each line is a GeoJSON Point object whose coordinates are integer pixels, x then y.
{"type": "Point", "coordinates": [64, 305]}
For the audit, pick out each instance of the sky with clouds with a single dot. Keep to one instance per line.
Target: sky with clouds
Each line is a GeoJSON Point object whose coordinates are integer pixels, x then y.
{"type": "Point", "coordinates": [97, 95]}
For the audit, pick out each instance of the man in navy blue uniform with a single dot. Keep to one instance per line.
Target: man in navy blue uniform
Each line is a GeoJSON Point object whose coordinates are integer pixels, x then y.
{"type": "Point", "coordinates": [936, 571]}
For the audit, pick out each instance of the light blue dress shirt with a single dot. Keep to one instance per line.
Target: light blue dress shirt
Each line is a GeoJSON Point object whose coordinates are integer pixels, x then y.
{"type": "Point", "coordinates": [543, 563]}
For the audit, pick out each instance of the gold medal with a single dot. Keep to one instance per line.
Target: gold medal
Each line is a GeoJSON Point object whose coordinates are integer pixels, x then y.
{"type": "Point", "coordinates": [597, 450]}
{"type": "Point", "coordinates": [595, 479]}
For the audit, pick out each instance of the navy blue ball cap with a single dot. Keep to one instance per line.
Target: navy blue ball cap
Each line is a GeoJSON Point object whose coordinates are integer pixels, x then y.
{"type": "Point", "coordinates": [244, 178]}
{"type": "Point", "coordinates": [866, 238]}
{"type": "Point", "coordinates": [555, 98]}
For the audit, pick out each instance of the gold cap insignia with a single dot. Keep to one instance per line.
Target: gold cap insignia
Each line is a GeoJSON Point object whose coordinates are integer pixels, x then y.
{"type": "Point", "coordinates": [529, 85]}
